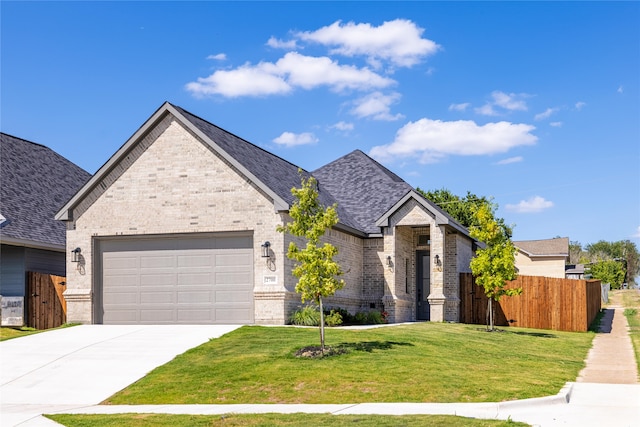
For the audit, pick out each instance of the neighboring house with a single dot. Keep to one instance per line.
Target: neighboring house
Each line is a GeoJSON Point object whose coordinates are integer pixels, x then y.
{"type": "Point", "coordinates": [179, 226]}
{"type": "Point", "coordinates": [542, 257]}
{"type": "Point", "coordinates": [34, 183]}
{"type": "Point", "coordinates": [574, 271]}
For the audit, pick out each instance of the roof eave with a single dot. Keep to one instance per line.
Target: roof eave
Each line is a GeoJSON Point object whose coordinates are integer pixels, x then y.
{"type": "Point", "coordinates": [440, 219]}
{"type": "Point", "coordinates": [5, 240]}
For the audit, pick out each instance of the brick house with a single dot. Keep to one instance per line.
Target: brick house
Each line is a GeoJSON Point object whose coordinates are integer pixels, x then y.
{"type": "Point", "coordinates": [179, 226]}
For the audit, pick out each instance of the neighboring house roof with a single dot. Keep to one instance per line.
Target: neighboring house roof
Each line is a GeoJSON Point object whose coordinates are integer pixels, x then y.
{"type": "Point", "coordinates": [544, 248]}
{"type": "Point", "coordinates": [574, 269]}
{"type": "Point", "coordinates": [363, 189]}
{"type": "Point", "coordinates": [34, 182]}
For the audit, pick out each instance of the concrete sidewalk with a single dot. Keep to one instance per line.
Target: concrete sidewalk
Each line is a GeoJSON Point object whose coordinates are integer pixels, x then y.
{"type": "Point", "coordinates": [607, 393]}
{"type": "Point", "coordinates": [611, 359]}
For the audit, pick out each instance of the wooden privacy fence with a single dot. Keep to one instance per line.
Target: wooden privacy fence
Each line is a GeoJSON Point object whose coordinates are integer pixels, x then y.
{"type": "Point", "coordinates": [46, 307]}
{"type": "Point", "coordinates": [545, 303]}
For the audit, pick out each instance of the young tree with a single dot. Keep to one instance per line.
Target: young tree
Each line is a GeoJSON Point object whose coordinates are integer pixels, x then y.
{"type": "Point", "coordinates": [495, 264]}
{"type": "Point", "coordinates": [315, 268]}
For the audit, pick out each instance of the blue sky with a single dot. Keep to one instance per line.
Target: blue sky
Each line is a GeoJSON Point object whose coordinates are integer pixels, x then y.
{"type": "Point", "coordinates": [535, 104]}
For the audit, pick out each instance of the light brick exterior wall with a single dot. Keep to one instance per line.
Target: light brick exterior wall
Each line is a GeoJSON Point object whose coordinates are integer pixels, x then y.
{"type": "Point", "coordinates": [374, 261]}
{"type": "Point", "coordinates": [173, 183]}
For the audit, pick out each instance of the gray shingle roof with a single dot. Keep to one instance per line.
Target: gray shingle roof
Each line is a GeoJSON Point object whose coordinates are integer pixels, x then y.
{"type": "Point", "coordinates": [548, 247]}
{"type": "Point", "coordinates": [35, 182]}
{"type": "Point", "coordinates": [363, 187]}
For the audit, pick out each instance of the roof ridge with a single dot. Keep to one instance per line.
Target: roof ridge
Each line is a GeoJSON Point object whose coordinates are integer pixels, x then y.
{"type": "Point", "coordinates": [26, 140]}
{"type": "Point", "coordinates": [182, 110]}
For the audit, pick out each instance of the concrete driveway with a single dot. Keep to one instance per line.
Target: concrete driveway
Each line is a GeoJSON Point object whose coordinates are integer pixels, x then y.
{"type": "Point", "coordinates": [84, 365]}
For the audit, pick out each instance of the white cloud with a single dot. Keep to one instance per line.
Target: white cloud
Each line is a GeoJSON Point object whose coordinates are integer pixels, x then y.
{"type": "Point", "coordinates": [343, 126]}
{"type": "Point", "coordinates": [218, 57]}
{"type": "Point", "coordinates": [431, 140]}
{"type": "Point", "coordinates": [546, 113]}
{"type": "Point", "coordinates": [532, 205]}
{"type": "Point", "coordinates": [399, 41]}
{"type": "Point", "coordinates": [637, 235]}
{"type": "Point", "coordinates": [377, 106]}
{"type": "Point", "coordinates": [290, 71]}
{"type": "Point", "coordinates": [459, 107]}
{"type": "Point", "coordinates": [309, 72]}
{"type": "Point", "coordinates": [290, 139]}
{"type": "Point", "coordinates": [281, 44]}
{"type": "Point", "coordinates": [620, 89]}
{"type": "Point", "coordinates": [579, 105]}
{"type": "Point", "coordinates": [503, 101]}
{"type": "Point", "coordinates": [556, 124]}
{"type": "Point", "coordinates": [247, 80]}
{"type": "Point", "coordinates": [510, 160]}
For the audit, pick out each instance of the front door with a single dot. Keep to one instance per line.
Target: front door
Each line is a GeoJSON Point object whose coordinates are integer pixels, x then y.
{"type": "Point", "coordinates": [423, 284]}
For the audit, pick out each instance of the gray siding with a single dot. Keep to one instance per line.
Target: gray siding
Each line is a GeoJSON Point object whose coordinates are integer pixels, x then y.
{"type": "Point", "coordinates": [12, 271]}
{"type": "Point", "coordinates": [48, 262]}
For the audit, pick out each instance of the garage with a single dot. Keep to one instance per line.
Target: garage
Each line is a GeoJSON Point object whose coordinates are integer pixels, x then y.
{"type": "Point", "coordinates": [180, 279]}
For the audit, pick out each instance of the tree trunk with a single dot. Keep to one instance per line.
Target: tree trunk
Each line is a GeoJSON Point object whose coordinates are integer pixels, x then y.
{"type": "Point", "coordinates": [321, 325]}
{"type": "Point", "coordinates": [490, 314]}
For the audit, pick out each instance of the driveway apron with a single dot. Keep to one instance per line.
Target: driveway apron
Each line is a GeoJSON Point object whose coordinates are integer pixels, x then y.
{"type": "Point", "coordinates": [84, 365]}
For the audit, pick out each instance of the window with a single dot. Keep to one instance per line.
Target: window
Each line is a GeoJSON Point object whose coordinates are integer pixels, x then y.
{"type": "Point", "coordinates": [424, 240]}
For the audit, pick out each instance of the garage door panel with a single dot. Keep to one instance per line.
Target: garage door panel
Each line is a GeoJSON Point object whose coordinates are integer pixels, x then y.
{"type": "Point", "coordinates": [157, 261]}
{"type": "Point", "coordinates": [231, 296]}
{"type": "Point", "coordinates": [121, 262]}
{"type": "Point", "coordinates": [120, 281]}
{"type": "Point", "coordinates": [195, 260]}
{"type": "Point", "coordinates": [240, 278]}
{"type": "Point", "coordinates": [157, 316]}
{"type": "Point", "coordinates": [233, 260]}
{"type": "Point", "coordinates": [194, 279]}
{"type": "Point", "coordinates": [231, 315]}
{"type": "Point", "coordinates": [159, 280]}
{"type": "Point", "coordinates": [178, 280]}
{"type": "Point", "coordinates": [195, 297]}
{"type": "Point", "coordinates": [157, 297]}
{"type": "Point", "coordinates": [195, 316]}
{"type": "Point", "coordinates": [121, 298]}
{"type": "Point", "coordinates": [122, 316]}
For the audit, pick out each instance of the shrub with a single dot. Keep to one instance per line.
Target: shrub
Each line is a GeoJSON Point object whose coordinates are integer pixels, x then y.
{"type": "Point", "coordinates": [333, 318]}
{"type": "Point", "coordinates": [308, 315]}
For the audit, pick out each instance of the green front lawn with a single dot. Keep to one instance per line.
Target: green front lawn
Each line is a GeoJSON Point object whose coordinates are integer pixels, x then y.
{"type": "Point", "coordinates": [6, 333]}
{"type": "Point", "coordinates": [274, 420]}
{"type": "Point", "coordinates": [631, 303]}
{"type": "Point", "coordinates": [421, 362]}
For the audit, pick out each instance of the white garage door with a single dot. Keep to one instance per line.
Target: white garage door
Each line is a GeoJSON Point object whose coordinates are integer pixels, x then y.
{"type": "Point", "coordinates": [182, 280]}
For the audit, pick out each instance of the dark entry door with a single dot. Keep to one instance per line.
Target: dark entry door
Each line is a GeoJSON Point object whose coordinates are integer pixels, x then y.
{"type": "Point", "coordinates": [423, 285]}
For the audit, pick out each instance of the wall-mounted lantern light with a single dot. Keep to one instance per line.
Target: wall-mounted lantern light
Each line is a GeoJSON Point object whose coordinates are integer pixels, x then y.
{"type": "Point", "coordinates": [436, 260]}
{"type": "Point", "coordinates": [389, 262]}
{"type": "Point", "coordinates": [76, 255]}
{"type": "Point", "coordinates": [265, 249]}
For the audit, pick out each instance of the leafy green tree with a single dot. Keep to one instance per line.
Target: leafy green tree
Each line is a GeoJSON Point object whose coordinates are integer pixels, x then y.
{"type": "Point", "coordinates": [623, 251]}
{"type": "Point", "coordinates": [493, 265]}
{"type": "Point", "coordinates": [315, 268]}
{"type": "Point", "coordinates": [609, 271]}
{"type": "Point", "coordinates": [460, 208]}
